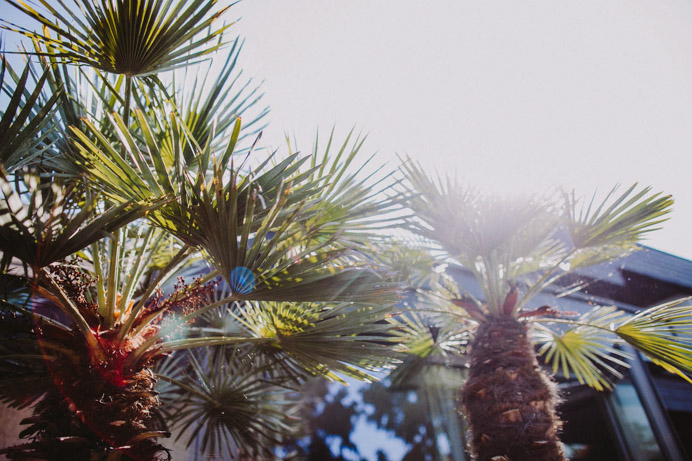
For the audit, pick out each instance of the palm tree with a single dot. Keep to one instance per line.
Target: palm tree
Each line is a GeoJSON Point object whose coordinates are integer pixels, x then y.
{"type": "Point", "coordinates": [515, 249]}
{"type": "Point", "coordinates": [159, 273]}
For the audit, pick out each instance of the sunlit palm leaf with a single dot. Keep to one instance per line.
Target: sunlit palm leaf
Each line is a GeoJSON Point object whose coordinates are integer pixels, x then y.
{"type": "Point", "coordinates": [78, 93]}
{"type": "Point", "coordinates": [229, 406]}
{"type": "Point", "coordinates": [615, 224]}
{"type": "Point", "coordinates": [255, 222]}
{"type": "Point", "coordinates": [49, 226]}
{"type": "Point", "coordinates": [469, 224]}
{"type": "Point", "coordinates": [211, 111]}
{"type": "Point", "coordinates": [124, 267]}
{"type": "Point", "coordinates": [409, 260]}
{"type": "Point", "coordinates": [664, 334]}
{"type": "Point", "coordinates": [27, 121]}
{"type": "Point", "coordinates": [350, 199]}
{"type": "Point", "coordinates": [270, 245]}
{"type": "Point", "coordinates": [422, 341]}
{"type": "Point", "coordinates": [496, 238]}
{"type": "Point", "coordinates": [150, 171]}
{"type": "Point", "coordinates": [130, 37]}
{"type": "Point", "coordinates": [317, 340]}
{"type": "Point", "coordinates": [587, 351]}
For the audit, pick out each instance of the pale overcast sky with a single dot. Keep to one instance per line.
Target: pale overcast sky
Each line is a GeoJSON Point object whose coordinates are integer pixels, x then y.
{"type": "Point", "coordinates": [511, 95]}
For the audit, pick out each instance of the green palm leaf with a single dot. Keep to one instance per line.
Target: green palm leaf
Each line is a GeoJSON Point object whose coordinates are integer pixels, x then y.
{"type": "Point", "coordinates": [664, 334]}
{"type": "Point", "coordinates": [351, 200]}
{"type": "Point", "coordinates": [260, 222]}
{"type": "Point", "coordinates": [496, 238]}
{"type": "Point", "coordinates": [587, 351]}
{"type": "Point", "coordinates": [158, 168]}
{"type": "Point", "coordinates": [409, 260]}
{"type": "Point", "coordinates": [75, 93]}
{"type": "Point", "coordinates": [211, 112]}
{"type": "Point", "coordinates": [470, 225]}
{"type": "Point", "coordinates": [423, 341]}
{"type": "Point", "coordinates": [346, 339]}
{"type": "Point", "coordinates": [129, 37]}
{"type": "Point", "coordinates": [228, 405]}
{"type": "Point", "coordinates": [48, 224]}
{"type": "Point", "coordinates": [602, 231]}
{"type": "Point", "coordinates": [27, 121]}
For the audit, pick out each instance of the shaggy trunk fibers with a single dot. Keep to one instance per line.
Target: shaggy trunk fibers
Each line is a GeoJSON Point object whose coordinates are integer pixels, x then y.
{"type": "Point", "coordinates": [509, 401]}
{"type": "Point", "coordinates": [95, 410]}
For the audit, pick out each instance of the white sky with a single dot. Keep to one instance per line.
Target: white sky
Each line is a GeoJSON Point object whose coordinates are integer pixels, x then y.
{"type": "Point", "coordinates": [510, 95]}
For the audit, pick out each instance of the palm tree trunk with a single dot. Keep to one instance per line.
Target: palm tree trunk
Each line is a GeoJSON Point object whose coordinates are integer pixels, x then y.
{"type": "Point", "coordinates": [509, 401]}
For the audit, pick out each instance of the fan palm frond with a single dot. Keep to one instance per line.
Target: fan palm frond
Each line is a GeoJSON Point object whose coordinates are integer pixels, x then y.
{"type": "Point", "coordinates": [211, 112]}
{"type": "Point", "coordinates": [409, 260]}
{"type": "Point", "coordinates": [28, 119]}
{"type": "Point", "coordinates": [587, 351]}
{"type": "Point", "coordinates": [601, 231]}
{"type": "Point", "coordinates": [122, 267]}
{"type": "Point", "coordinates": [76, 93]}
{"type": "Point", "coordinates": [470, 225]}
{"type": "Point", "coordinates": [496, 238]}
{"type": "Point", "coordinates": [129, 37]}
{"type": "Point", "coordinates": [153, 170]}
{"type": "Point", "coordinates": [351, 200]}
{"type": "Point", "coordinates": [423, 340]}
{"type": "Point", "coordinates": [48, 224]}
{"type": "Point", "coordinates": [257, 223]}
{"type": "Point", "coordinates": [334, 340]}
{"type": "Point", "coordinates": [228, 405]}
{"type": "Point", "coordinates": [664, 334]}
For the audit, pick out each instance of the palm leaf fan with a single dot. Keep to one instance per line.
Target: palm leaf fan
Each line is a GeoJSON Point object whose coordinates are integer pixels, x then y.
{"type": "Point", "coordinates": [211, 112]}
{"type": "Point", "coordinates": [47, 224]}
{"type": "Point", "coordinates": [129, 37]}
{"type": "Point", "coordinates": [27, 120]}
{"type": "Point", "coordinates": [228, 405]}
{"type": "Point", "coordinates": [422, 342]}
{"type": "Point", "coordinates": [611, 228]}
{"type": "Point", "coordinates": [353, 198]}
{"type": "Point", "coordinates": [257, 222]}
{"type": "Point", "coordinates": [329, 340]}
{"type": "Point", "coordinates": [664, 334]}
{"type": "Point", "coordinates": [588, 351]}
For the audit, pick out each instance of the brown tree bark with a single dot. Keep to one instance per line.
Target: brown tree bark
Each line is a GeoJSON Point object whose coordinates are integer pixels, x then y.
{"type": "Point", "coordinates": [509, 401]}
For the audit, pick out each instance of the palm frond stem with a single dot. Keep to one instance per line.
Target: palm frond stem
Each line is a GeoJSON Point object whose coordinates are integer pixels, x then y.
{"type": "Point", "coordinates": [113, 269]}
{"type": "Point", "coordinates": [137, 269]}
{"type": "Point", "coordinates": [181, 385]}
{"type": "Point", "coordinates": [191, 343]}
{"type": "Point", "coordinates": [573, 323]}
{"type": "Point", "coordinates": [435, 311]}
{"type": "Point", "coordinates": [159, 335]}
{"type": "Point", "coordinates": [545, 280]}
{"type": "Point", "coordinates": [70, 309]}
{"type": "Point", "coordinates": [172, 264]}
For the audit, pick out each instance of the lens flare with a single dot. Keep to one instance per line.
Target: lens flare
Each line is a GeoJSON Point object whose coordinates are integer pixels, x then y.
{"type": "Point", "coordinates": [242, 280]}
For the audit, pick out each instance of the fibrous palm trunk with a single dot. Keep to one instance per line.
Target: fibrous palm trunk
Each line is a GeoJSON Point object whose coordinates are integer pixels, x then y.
{"type": "Point", "coordinates": [509, 401]}
{"type": "Point", "coordinates": [89, 416]}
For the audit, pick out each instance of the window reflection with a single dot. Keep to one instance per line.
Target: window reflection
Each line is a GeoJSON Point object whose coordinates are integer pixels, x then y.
{"type": "Point", "coordinates": [634, 423]}
{"type": "Point", "coordinates": [418, 421]}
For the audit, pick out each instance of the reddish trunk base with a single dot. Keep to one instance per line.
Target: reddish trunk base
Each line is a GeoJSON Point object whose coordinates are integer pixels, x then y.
{"type": "Point", "coordinates": [509, 401]}
{"type": "Point", "coordinates": [94, 411]}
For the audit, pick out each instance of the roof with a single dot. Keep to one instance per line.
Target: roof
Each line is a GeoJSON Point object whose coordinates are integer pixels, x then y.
{"type": "Point", "coordinates": [648, 262]}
